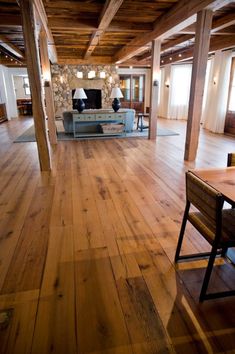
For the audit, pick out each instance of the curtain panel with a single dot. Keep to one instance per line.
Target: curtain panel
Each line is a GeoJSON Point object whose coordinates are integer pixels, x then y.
{"type": "Point", "coordinates": [216, 102]}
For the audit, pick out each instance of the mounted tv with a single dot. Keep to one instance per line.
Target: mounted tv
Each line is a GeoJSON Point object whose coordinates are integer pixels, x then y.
{"type": "Point", "coordinates": [93, 100]}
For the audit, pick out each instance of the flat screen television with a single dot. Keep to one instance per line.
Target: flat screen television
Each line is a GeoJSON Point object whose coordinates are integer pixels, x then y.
{"type": "Point", "coordinates": [93, 100]}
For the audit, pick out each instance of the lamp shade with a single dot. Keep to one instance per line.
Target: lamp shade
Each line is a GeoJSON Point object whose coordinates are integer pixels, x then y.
{"type": "Point", "coordinates": [79, 93]}
{"type": "Point", "coordinates": [116, 93]}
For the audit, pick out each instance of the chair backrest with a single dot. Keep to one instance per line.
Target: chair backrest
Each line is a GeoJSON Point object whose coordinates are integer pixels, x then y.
{"type": "Point", "coordinates": [205, 198]}
{"type": "Point", "coordinates": [231, 159]}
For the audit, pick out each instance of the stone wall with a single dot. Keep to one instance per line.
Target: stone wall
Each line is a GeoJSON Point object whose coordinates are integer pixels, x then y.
{"type": "Point", "coordinates": [64, 80]}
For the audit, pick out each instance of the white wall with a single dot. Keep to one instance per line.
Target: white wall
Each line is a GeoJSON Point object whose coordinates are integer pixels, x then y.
{"type": "Point", "coordinates": [164, 91]}
{"type": "Point", "coordinates": [8, 92]}
{"type": "Point", "coordinates": [147, 73]}
{"type": "Point", "coordinates": [7, 89]}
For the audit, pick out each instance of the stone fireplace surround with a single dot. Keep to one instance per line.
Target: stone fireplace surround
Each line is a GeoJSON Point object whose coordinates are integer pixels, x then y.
{"type": "Point", "coordinates": [64, 80]}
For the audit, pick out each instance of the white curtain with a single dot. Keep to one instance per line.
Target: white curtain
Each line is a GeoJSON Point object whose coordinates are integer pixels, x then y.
{"type": "Point", "coordinates": [164, 91]}
{"type": "Point", "coordinates": [217, 97]}
{"type": "Point", "coordinates": [179, 91]}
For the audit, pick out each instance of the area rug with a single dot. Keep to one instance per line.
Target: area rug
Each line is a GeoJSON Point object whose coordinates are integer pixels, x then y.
{"type": "Point", "coordinates": [29, 135]}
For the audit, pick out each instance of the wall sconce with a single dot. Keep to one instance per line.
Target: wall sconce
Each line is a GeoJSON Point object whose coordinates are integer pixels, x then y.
{"type": "Point", "coordinates": [46, 83]}
{"type": "Point", "coordinates": [102, 74]}
{"type": "Point", "coordinates": [167, 84]}
{"type": "Point", "coordinates": [79, 74]}
{"type": "Point", "coordinates": [91, 74]}
{"type": "Point", "coordinates": [155, 83]}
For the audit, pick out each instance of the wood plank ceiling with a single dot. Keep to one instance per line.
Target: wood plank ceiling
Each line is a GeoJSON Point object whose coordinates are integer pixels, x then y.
{"type": "Point", "coordinates": [116, 31]}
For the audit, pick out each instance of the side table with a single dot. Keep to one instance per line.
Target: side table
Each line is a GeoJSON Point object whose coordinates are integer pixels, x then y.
{"type": "Point", "coordinates": [140, 121]}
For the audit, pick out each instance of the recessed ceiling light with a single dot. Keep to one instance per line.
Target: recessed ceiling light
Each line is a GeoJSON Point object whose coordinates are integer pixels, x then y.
{"type": "Point", "coordinates": [180, 55]}
{"type": "Point", "coordinates": [170, 58]}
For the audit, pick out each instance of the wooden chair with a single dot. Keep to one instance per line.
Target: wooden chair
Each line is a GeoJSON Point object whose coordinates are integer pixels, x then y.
{"type": "Point", "coordinates": [231, 159]}
{"type": "Point", "coordinates": [216, 225]}
{"type": "Point", "coordinates": [231, 162]}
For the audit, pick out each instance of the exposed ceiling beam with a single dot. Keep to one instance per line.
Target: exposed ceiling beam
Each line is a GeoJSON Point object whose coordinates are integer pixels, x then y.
{"type": "Point", "coordinates": [109, 11]}
{"type": "Point", "coordinates": [217, 24]}
{"type": "Point", "coordinates": [180, 40]}
{"type": "Point", "coordinates": [5, 43]}
{"type": "Point", "coordinates": [216, 43]}
{"type": "Point", "coordinates": [91, 25]}
{"type": "Point", "coordinates": [181, 15]}
{"type": "Point", "coordinates": [43, 18]}
{"type": "Point", "coordinates": [223, 22]}
{"type": "Point", "coordinates": [91, 60]}
{"type": "Point", "coordinates": [145, 56]}
{"type": "Point", "coordinates": [63, 23]}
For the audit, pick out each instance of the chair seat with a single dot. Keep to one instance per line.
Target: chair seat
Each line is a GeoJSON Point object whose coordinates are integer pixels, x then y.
{"type": "Point", "coordinates": [203, 225]}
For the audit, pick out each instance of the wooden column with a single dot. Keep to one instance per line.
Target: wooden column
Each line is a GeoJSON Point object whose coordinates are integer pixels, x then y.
{"type": "Point", "coordinates": [33, 66]}
{"type": "Point", "coordinates": [154, 88]}
{"type": "Point", "coordinates": [49, 97]}
{"type": "Point", "coordinates": [200, 56]}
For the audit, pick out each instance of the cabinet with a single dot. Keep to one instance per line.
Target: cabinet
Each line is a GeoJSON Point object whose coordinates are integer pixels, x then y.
{"type": "Point", "coordinates": [3, 114]}
{"type": "Point", "coordinates": [103, 123]}
{"type": "Point", "coordinates": [133, 87]}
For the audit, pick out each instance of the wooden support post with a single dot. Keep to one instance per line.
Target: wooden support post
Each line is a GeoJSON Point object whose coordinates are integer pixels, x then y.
{"type": "Point", "coordinates": [49, 97]}
{"type": "Point", "coordinates": [154, 89]}
{"type": "Point", "coordinates": [200, 57]}
{"type": "Point", "coordinates": [28, 25]}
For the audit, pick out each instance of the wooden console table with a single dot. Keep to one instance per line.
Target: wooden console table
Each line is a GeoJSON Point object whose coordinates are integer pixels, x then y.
{"type": "Point", "coordinates": [96, 120]}
{"type": "Point", "coordinates": [3, 113]}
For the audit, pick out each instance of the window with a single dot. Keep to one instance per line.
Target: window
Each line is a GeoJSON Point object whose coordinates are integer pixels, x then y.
{"type": "Point", "coordinates": [26, 86]}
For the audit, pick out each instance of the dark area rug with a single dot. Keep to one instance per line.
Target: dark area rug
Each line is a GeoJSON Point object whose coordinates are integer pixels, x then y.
{"type": "Point", "coordinates": [29, 135]}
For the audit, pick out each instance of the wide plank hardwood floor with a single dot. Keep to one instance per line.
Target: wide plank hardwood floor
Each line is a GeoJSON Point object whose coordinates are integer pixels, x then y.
{"type": "Point", "coordinates": [86, 251]}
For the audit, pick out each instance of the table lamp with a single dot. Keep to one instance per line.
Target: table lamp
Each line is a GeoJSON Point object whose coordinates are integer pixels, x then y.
{"type": "Point", "coordinates": [116, 94]}
{"type": "Point", "coordinates": [78, 96]}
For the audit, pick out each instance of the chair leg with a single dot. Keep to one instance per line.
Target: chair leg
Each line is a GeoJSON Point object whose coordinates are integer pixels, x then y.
{"type": "Point", "coordinates": [208, 273]}
{"type": "Point", "coordinates": [181, 235]}
{"type": "Point", "coordinates": [224, 251]}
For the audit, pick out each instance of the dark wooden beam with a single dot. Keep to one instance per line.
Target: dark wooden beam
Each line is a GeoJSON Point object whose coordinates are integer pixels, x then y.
{"type": "Point", "coordinates": [91, 60]}
{"type": "Point", "coordinates": [6, 43]}
{"type": "Point", "coordinates": [109, 11]}
{"type": "Point", "coordinates": [216, 43]}
{"type": "Point", "coordinates": [223, 22]}
{"type": "Point", "coordinates": [63, 23]}
{"type": "Point", "coordinates": [217, 24]}
{"type": "Point", "coordinates": [34, 72]}
{"type": "Point", "coordinates": [43, 18]}
{"type": "Point", "coordinates": [200, 55]}
{"type": "Point", "coordinates": [182, 14]}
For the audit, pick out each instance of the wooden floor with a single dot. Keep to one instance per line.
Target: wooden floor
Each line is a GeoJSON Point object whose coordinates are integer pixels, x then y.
{"type": "Point", "coordinates": [86, 252]}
